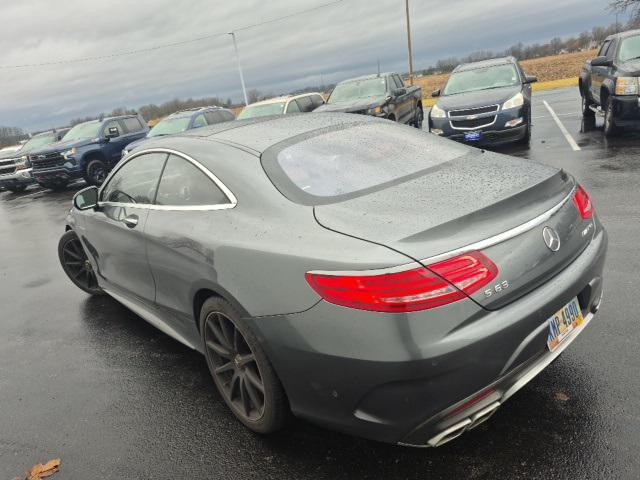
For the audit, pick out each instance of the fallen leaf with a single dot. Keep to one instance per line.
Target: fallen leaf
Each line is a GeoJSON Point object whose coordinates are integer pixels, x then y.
{"type": "Point", "coordinates": [561, 397]}
{"type": "Point", "coordinates": [40, 471]}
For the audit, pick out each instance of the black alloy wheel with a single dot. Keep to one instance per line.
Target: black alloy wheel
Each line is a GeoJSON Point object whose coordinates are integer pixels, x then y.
{"type": "Point", "coordinates": [96, 172]}
{"type": "Point", "coordinates": [75, 263]}
{"type": "Point", "coordinates": [240, 368]}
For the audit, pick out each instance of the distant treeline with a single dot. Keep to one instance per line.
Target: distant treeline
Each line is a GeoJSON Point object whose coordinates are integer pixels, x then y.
{"type": "Point", "coordinates": [10, 136]}
{"type": "Point", "coordinates": [585, 41]}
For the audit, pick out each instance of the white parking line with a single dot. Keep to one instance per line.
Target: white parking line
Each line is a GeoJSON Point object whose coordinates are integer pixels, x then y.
{"type": "Point", "coordinates": [565, 132]}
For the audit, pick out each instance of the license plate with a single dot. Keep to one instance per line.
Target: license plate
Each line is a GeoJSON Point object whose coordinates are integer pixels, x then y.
{"type": "Point", "coordinates": [472, 136]}
{"type": "Point", "coordinates": [563, 322]}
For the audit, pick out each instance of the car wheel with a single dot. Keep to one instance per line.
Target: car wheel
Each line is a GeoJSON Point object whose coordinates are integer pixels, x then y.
{"type": "Point", "coordinates": [610, 128]}
{"type": "Point", "coordinates": [586, 104]}
{"type": "Point", "coordinates": [419, 118]}
{"type": "Point", "coordinates": [76, 265]}
{"type": "Point", "coordinates": [96, 172]}
{"type": "Point", "coordinates": [240, 369]}
{"type": "Point", "coordinates": [18, 189]}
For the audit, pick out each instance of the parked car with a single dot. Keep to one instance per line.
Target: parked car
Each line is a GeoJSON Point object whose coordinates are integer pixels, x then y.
{"type": "Point", "coordinates": [323, 263]}
{"type": "Point", "coordinates": [384, 96]}
{"type": "Point", "coordinates": [184, 120]}
{"type": "Point", "coordinates": [305, 102]}
{"type": "Point", "coordinates": [15, 171]}
{"type": "Point", "coordinates": [89, 150]}
{"type": "Point", "coordinates": [485, 103]}
{"type": "Point", "coordinates": [609, 84]}
{"type": "Point", "coordinates": [10, 149]}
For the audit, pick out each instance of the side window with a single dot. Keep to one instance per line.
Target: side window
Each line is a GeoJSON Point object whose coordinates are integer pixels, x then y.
{"type": "Point", "coordinates": [135, 181]}
{"type": "Point", "coordinates": [399, 82]}
{"type": "Point", "coordinates": [183, 184]}
{"type": "Point", "coordinates": [228, 115]}
{"type": "Point", "coordinates": [109, 125]}
{"type": "Point", "coordinates": [200, 121]}
{"type": "Point", "coordinates": [132, 125]}
{"type": "Point", "coordinates": [317, 100]}
{"type": "Point", "coordinates": [604, 48]}
{"type": "Point", "coordinates": [292, 107]}
{"type": "Point", "coordinates": [210, 117]}
{"type": "Point", "coordinates": [305, 104]}
{"type": "Point", "coordinates": [610, 50]}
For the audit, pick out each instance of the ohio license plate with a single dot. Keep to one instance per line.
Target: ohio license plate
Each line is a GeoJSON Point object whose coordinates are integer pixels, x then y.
{"type": "Point", "coordinates": [563, 322]}
{"type": "Point", "coordinates": [472, 136]}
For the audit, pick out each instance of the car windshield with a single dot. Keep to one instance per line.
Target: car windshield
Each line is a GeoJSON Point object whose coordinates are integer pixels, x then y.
{"type": "Point", "coordinates": [169, 126]}
{"type": "Point", "coordinates": [354, 159]}
{"type": "Point", "coordinates": [346, 92]}
{"type": "Point", "coordinates": [629, 49]}
{"type": "Point", "coordinates": [252, 111]}
{"type": "Point", "coordinates": [496, 76]}
{"type": "Point", "coordinates": [82, 131]}
{"type": "Point", "coordinates": [38, 141]}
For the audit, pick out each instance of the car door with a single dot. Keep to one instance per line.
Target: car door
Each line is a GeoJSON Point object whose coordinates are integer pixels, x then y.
{"type": "Point", "coordinates": [598, 74]}
{"type": "Point", "coordinates": [185, 223]}
{"type": "Point", "coordinates": [114, 232]}
{"type": "Point", "coordinates": [403, 102]}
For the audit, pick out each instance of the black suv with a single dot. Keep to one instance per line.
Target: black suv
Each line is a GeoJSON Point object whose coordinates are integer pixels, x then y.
{"type": "Point", "coordinates": [89, 150]}
{"type": "Point", "coordinates": [609, 84]}
{"type": "Point", "coordinates": [485, 103]}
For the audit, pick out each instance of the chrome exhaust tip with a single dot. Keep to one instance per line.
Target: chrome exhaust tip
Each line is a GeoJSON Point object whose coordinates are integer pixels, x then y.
{"type": "Point", "coordinates": [450, 433]}
{"type": "Point", "coordinates": [483, 415]}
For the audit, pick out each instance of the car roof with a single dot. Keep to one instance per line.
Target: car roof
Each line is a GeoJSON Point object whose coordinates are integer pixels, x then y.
{"type": "Point", "coordinates": [283, 98]}
{"type": "Point", "coordinates": [485, 63]}
{"type": "Point", "coordinates": [259, 133]}
{"type": "Point", "coordinates": [628, 33]}
{"type": "Point", "coordinates": [367, 77]}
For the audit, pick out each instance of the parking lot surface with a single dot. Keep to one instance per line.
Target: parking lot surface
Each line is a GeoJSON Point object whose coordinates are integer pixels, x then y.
{"type": "Point", "coordinates": [87, 381]}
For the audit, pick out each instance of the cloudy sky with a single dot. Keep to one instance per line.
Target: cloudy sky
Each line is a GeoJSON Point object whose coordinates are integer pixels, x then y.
{"type": "Point", "coordinates": [331, 43]}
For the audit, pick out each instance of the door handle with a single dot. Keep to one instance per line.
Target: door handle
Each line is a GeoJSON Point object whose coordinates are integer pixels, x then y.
{"type": "Point", "coordinates": [131, 221]}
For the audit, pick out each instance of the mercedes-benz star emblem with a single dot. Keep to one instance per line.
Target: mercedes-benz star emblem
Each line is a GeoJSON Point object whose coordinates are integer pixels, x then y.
{"type": "Point", "coordinates": [551, 239]}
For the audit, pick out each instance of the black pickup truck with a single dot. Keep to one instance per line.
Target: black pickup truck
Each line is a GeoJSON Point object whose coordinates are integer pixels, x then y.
{"type": "Point", "coordinates": [609, 83]}
{"type": "Point", "coordinates": [384, 95]}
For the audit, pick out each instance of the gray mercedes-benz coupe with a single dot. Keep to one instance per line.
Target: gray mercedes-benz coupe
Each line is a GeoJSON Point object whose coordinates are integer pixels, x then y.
{"type": "Point", "coordinates": [366, 276]}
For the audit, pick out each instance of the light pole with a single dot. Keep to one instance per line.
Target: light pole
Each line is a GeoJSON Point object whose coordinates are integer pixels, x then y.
{"type": "Point", "coordinates": [244, 90]}
{"type": "Point", "coordinates": [406, 4]}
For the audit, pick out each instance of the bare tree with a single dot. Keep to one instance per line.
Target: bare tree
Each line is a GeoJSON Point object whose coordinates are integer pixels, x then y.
{"type": "Point", "coordinates": [622, 6]}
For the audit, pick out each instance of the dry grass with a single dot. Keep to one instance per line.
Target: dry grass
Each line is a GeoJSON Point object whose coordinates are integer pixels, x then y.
{"type": "Point", "coordinates": [558, 71]}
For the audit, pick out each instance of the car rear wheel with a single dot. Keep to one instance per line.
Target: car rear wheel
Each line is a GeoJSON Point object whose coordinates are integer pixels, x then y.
{"type": "Point", "coordinates": [240, 369]}
{"type": "Point", "coordinates": [419, 118]}
{"type": "Point", "coordinates": [96, 172]}
{"type": "Point", "coordinates": [76, 265]}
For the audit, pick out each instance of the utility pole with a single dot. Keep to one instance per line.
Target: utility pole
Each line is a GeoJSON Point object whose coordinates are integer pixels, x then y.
{"type": "Point", "coordinates": [244, 90]}
{"type": "Point", "coordinates": [406, 4]}
{"type": "Point", "coordinates": [378, 67]}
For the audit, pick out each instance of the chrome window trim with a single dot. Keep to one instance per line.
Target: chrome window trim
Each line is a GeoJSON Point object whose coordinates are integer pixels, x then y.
{"type": "Point", "coordinates": [233, 201]}
{"type": "Point", "coordinates": [481, 245]}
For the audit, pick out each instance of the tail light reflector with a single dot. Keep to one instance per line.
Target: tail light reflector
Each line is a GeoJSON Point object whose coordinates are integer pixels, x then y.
{"type": "Point", "coordinates": [582, 201]}
{"type": "Point", "coordinates": [409, 291]}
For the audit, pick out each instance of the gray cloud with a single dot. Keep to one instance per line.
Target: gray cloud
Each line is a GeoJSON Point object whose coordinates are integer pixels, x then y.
{"type": "Point", "coordinates": [333, 43]}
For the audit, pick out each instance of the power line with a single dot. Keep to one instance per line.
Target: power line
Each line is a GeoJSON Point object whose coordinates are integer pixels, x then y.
{"type": "Point", "coordinates": [167, 45]}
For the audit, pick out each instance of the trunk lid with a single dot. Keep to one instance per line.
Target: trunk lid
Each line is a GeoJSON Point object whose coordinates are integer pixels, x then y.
{"type": "Point", "coordinates": [468, 200]}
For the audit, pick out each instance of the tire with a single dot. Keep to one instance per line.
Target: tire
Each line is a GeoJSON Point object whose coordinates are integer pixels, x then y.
{"type": "Point", "coordinates": [76, 265]}
{"type": "Point", "coordinates": [56, 187]}
{"type": "Point", "coordinates": [240, 369]}
{"type": "Point", "coordinates": [419, 118]}
{"type": "Point", "coordinates": [586, 103]}
{"type": "Point", "coordinates": [526, 140]}
{"type": "Point", "coordinates": [610, 128]}
{"type": "Point", "coordinates": [18, 189]}
{"type": "Point", "coordinates": [95, 172]}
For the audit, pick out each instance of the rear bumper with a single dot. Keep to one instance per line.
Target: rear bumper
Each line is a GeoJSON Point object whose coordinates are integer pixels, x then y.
{"type": "Point", "coordinates": [398, 378]}
{"type": "Point", "coordinates": [19, 178]}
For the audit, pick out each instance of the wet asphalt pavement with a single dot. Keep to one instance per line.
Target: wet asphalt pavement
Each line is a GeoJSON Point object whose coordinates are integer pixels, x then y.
{"type": "Point", "coordinates": [85, 380]}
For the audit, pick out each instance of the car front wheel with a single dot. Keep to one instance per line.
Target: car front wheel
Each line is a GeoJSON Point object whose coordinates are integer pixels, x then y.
{"type": "Point", "coordinates": [610, 128]}
{"type": "Point", "coordinates": [76, 265]}
{"type": "Point", "coordinates": [240, 369]}
{"type": "Point", "coordinates": [96, 172]}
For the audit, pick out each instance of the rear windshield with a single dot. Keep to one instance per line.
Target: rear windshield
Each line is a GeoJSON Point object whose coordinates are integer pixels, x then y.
{"type": "Point", "coordinates": [262, 110]}
{"type": "Point", "coordinates": [343, 163]}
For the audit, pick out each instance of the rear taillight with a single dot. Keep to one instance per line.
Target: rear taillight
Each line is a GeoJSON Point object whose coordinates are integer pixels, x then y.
{"type": "Point", "coordinates": [408, 291]}
{"type": "Point", "coordinates": [582, 201]}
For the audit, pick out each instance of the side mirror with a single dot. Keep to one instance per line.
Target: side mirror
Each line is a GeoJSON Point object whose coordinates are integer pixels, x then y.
{"type": "Point", "coordinates": [530, 79]}
{"type": "Point", "coordinates": [86, 198]}
{"type": "Point", "coordinates": [601, 62]}
{"type": "Point", "coordinates": [435, 93]}
{"type": "Point", "coordinates": [112, 133]}
{"type": "Point", "coordinates": [398, 92]}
